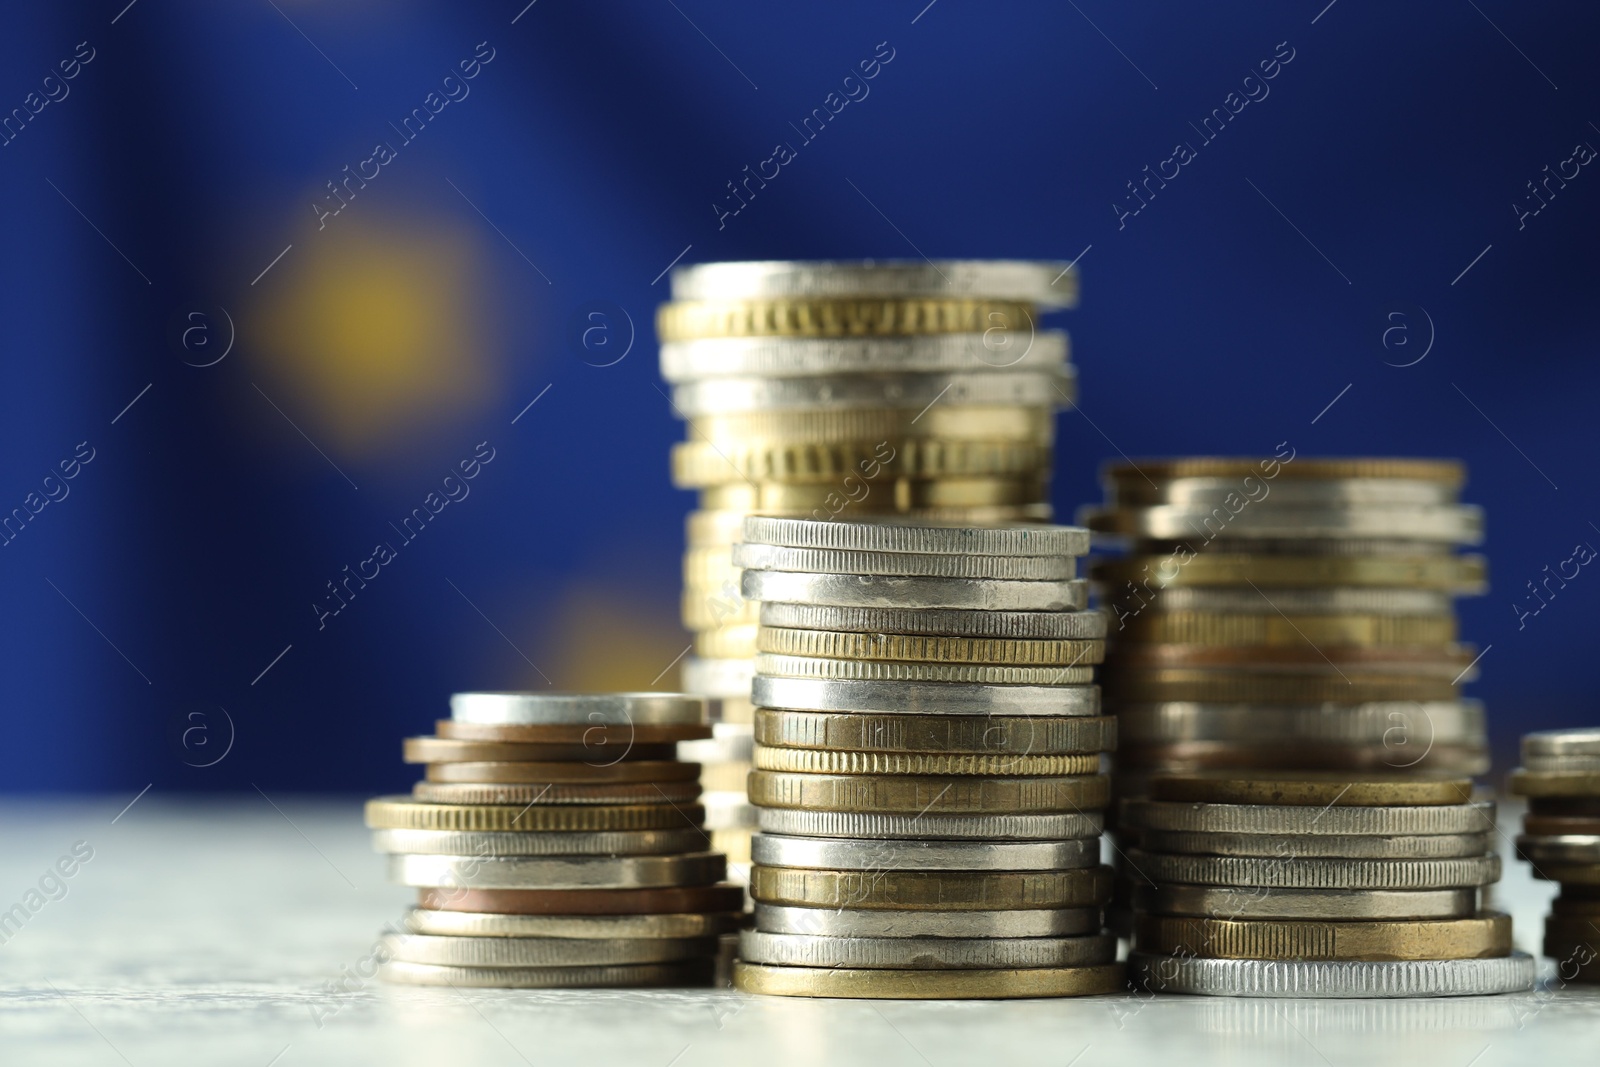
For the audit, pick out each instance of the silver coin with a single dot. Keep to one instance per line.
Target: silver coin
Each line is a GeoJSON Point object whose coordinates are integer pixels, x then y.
{"type": "Point", "coordinates": [1041, 351]}
{"type": "Point", "coordinates": [1332, 978]}
{"type": "Point", "coordinates": [1556, 743]}
{"type": "Point", "coordinates": [1027, 625]}
{"type": "Point", "coordinates": [695, 973]}
{"type": "Point", "coordinates": [730, 742]}
{"type": "Point", "coordinates": [717, 677]}
{"type": "Point", "coordinates": [1325, 846]}
{"type": "Point", "coordinates": [1044, 283]}
{"type": "Point", "coordinates": [924, 698]}
{"type": "Point", "coordinates": [1452, 524]}
{"type": "Point", "coordinates": [1412, 723]}
{"type": "Point", "coordinates": [454, 951]}
{"type": "Point", "coordinates": [1204, 493]}
{"type": "Point", "coordinates": [848, 922]}
{"type": "Point", "coordinates": [880, 953]}
{"type": "Point", "coordinates": [906, 564]}
{"type": "Point", "coordinates": [919, 537]}
{"type": "Point", "coordinates": [877, 591]}
{"type": "Point", "coordinates": [1017, 388]}
{"type": "Point", "coordinates": [1292, 871]}
{"type": "Point", "coordinates": [586, 709]}
{"type": "Point", "coordinates": [1321, 905]}
{"type": "Point", "coordinates": [776, 666]}
{"type": "Point", "coordinates": [587, 872]}
{"type": "Point", "coordinates": [727, 810]}
{"type": "Point", "coordinates": [1337, 601]}
{"type": "Point", "coordinates": [608, 843]}
{"type": "Point", "coordinates": [802, 823]}
{"type": "Point", "coordinates": [587, 927]}
{"type": "Point", "coordinates": [1561, 764]}
{"type": "Point", "coordinates": [850, 854]}
{"type": "Point", "coordinates": [1290, 820]}
{"type": "Point", "coordinates": [1562, 849]}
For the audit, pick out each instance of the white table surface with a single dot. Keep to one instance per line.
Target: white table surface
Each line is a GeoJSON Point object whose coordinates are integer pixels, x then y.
{"type": "Point", "coordinates": [206, 932]}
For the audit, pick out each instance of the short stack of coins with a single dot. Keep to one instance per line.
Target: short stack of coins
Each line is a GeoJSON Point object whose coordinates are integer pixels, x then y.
{"type": "Point", "coordinates": [556, 842]}
{"type": "Point", "coordinates": [847, 389]}
{"type": "Point", "coordinates": [927, 757]}
{"type": "Point", "coordinates": [1317, 885]}
{"type": "Point", "coordinates": [1560, 777]}
{"type": "Point", "coordinates": [1287, 614]}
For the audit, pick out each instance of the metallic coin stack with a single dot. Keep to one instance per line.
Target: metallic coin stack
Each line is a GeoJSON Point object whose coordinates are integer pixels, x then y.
{"type": "Point", "coordinates": [1317, 885]}
{"type": "Point", "coordinates": [846, 389]}
{"type": "Point", "coordinates": [1560, 776]}
{"type": "Point", "coordinates": [928, 744]}
{"type": "Point", "coordinates": [555, 842]}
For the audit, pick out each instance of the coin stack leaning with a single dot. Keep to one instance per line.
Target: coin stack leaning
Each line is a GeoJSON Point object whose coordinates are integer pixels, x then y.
{"type": "Point", "coordinates": [1317, 885]}
{"type": "Point", "coordinates": [1287, 614]}
{"type": "Point", "coordinates": [1560, 776]}
{"type": "Point", "coordinates": [556, 842]}
{"type": "Point", "coordinates": [846, 389]}
{"type": "Point", "coordinates": [927, 759]}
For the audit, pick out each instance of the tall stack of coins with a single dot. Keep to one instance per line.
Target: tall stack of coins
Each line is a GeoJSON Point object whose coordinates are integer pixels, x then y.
{"type": "Point", "coordinates": [928, 744]}
{"type": "Point", "coordinates": [1287, 614]}
{"type": "Point", "coordinates": [847, 389]}
{"type": "Point", "coordinates": [1560, 776]}
{"type": "Point", "coordinates": [1317, 885]}
{"type": "Point", "coordinates": [555, 842]}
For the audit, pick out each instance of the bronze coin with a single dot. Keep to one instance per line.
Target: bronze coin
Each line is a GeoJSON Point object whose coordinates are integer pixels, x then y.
{"type": "Point", "coordinates": [597, 735]}
{"type": "Point", "coordinates": [599, 754]}
{"type": "Point", "coordinates": [1564, 807]}
{"type": "Point", "coordinates": [557, 793]}
{"type": "Point", "coordinates": [698, 899]}
{"type": "Point", "coordinates": [1560, 825]}
{"type": "Point", "coordinates": [540, 773]}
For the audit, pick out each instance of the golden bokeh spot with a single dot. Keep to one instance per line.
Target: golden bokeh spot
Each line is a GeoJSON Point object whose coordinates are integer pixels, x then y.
{"type": "Point", "coordinates": [601, 639]}
{"type": "Point", "coordinates": [379, 331]}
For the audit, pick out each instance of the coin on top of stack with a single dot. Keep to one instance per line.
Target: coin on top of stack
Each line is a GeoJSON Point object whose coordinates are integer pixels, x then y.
{"type": "Point", "coordinates": [1300, 884]}
{"type": "Point", "coordinates": [556, 841]}
{"type": "Point", "coordinates": [927, 763]}
{"type": "Point", "coordinates": [829, 389]}
{"type": "Point", "coordinates": [1560, 777]}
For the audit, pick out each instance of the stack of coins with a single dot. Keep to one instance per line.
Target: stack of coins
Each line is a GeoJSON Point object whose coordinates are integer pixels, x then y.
{"type": "Point", "coordinates": [1560, 776]}
{"type": "Point", "coordinates": [845, 389]}
{"type": "Point", "coordinates": [556, 842]}
{"type": "Point", "coordinates": [928, 744]}
{"type": "Point", "coordinates": [1308, 885]}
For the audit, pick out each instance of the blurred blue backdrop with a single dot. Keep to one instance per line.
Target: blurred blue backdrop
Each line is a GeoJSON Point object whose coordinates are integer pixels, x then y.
{"type": "Point", "coordinates": [168, 176]}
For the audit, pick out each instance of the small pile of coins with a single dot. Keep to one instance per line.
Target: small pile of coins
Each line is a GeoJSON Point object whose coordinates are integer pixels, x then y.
{"type": "Point", "coordinates": [556, 842]}
{"type": "Point", "coordinates": [1560, 776]}
{"type": "Point", "coordinates": [1308, 885]}
{"type": "Point", "coordinates": [916, 388]}
{"type": "Point", "coordinates": [928, 744]}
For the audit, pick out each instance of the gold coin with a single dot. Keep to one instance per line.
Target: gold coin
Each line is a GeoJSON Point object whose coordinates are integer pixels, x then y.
{"type": "Point", "coordinates": [860, 495]}
{"type": "Point", "coordinates": [734, 641]}
{"type": "Point", "coordinates": [750, 429]}
{"type": "Point", "coordinates": [979, 734]}
{"type": "Point", "coordinates": [1318, 661]}
{"type": "Point", "coordinates": [836, 644]}
{"type": "Point", "coordinates": [725, 777]}
{"type": "Point", "coordinates": [944, 795]}
{"type": "Point", "coordinates": [1299, 789]}
{"type": "Point", "coordinates": [1555, 783]}
{"type": "Point", "coordinates": [684, 320]}
{"type": "Point", "coordinates": [701, 463]}
{"type": "Point", "coordinates": [556, 792]}
{"type": "Point", "coordinates": [602, 750]}
{"type": "Point", "coordinates": [834, 761]}
{"type": "Point", "coordinates": [1161, 685]}
{"type": "Point", "coordinates": [1296, 631]}
{"type": "Point", "coordinates": [928, 985]}
{"type": "Point", "coordinates": [1147, 575]}
{"type": "Point", "coordinates": [403, 813]}
{"type": "Point", "coordinates": [738, 710]}
{"type": "Point", "coordinates": [709, 568]}
{"type": "Point", "coordinates": [931, 890]}
{"type": "Point", "coordinates": [1448, 472]}
{"type": "Point", "coordinates": [878, 671]}
{"type": "Point", "coordinates": [1484, 936]}
{"type": "Point", "coordinates": [599, 771]}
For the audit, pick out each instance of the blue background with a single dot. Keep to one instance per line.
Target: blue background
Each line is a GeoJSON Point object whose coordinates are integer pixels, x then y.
{"type": "Point", "coordinates": [190, 149]}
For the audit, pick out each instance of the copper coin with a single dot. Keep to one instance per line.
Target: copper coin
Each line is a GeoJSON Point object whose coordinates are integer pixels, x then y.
{"type": "Point", "coordinates": [598, 754]}
{"type": "Point", "coordinates": [540, 773]}
{"type": "Point", "coordinates": [1560, 825]}
{"type": "Point", "coordinates": [597, 734]}
{"type": "Point", "coordinates": [699, 899]}
{"type": "Point", "coordinates": [557, 793]}
{"type": "Point", "coordinates": [1564, 807]}
{"type": "Point", "coordinates": [1182, 757]}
